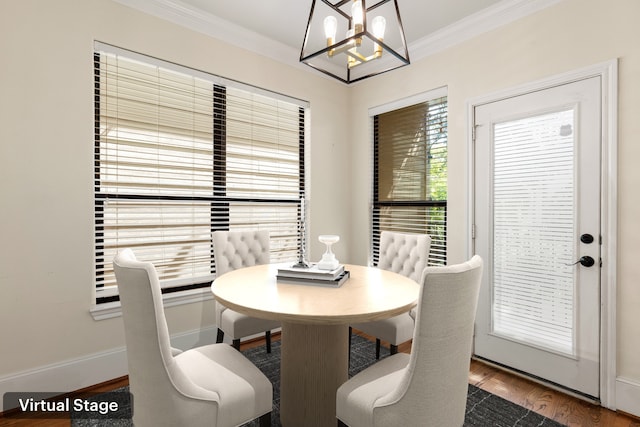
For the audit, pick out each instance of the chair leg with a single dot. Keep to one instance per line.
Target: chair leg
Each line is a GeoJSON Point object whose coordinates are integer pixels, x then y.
{"type": "Point", "coordinates": [377, 348]}
{"type": "Point", "coordinates": [394, 349]}
{"type": "Point", "coordinates": [220, 336]}
{"type": "Point", "coordinates": [265, 420]}
{"type": "Point", "coordinates": [350, 335]}
{"type": "Point", "coordinates": [236, 344]}
{"type": "Point", "coordinates": [267, 336]}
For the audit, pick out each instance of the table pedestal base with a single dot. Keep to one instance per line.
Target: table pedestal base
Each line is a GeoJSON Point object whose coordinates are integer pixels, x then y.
{"type": "Point", "coordinates": [314, 363]}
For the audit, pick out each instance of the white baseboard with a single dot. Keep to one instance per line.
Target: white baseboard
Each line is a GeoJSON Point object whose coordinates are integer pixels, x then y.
{"type": "Point", "coordinates": [628, 396]}
{"type": "Point", "coordinates": [76, 374]}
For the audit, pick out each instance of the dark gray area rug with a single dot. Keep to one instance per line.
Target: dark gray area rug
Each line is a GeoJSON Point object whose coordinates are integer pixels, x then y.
{"type": "Point", "coordinates": [483, 408]}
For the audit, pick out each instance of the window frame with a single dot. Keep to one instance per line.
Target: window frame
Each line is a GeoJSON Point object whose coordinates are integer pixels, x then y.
{"type": "Point", "coordinates": [107, 305]}
{"type": "Point", "coordinates": [376, 203]}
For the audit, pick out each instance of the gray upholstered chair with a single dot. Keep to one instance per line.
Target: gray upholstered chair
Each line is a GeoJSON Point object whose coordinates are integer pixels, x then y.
{"type": "Point", "coordinates": [233, 250]}
{"type": "Point", "coordinates": [212, 385]}
{"type": "Point", "coordinates": [407, 254]}
{"type": "Point", "coordinates": [429, 386]}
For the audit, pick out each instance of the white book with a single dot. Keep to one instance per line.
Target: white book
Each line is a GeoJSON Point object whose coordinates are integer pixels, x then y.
{"type": "Point", "coordinates": [313, 272]}
{"type": "Point", "coordinates": [332, 283]}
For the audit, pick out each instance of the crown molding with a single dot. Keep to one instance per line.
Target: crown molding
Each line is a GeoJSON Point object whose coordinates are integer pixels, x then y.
{"type": "Point", "coordinates": [488, 19]}
{"type": "Point", "coordinates": [179, 13]}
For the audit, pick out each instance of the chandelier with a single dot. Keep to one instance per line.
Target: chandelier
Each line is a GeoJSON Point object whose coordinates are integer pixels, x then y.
{"type": "Point", "coordinates": [350, 41]}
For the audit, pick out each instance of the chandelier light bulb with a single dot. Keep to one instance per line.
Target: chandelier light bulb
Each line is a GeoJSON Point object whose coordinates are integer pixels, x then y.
{"type": "Point", "coordinates": [357, 14]}
{"type": "Point", "coordinates": [330, 27]}
{"type": "Point", "coordinates": [357, 17]}
{"type": "Point", "coordinates": [379, 24]}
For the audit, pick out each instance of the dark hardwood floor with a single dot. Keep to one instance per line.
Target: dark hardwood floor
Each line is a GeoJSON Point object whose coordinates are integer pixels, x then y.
{"type": "Point", "coordinates": [553, 404]}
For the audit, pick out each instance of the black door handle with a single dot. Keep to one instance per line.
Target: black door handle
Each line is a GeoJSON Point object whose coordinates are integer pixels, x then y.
{"type": "Point", "coordinates": [586, 261]}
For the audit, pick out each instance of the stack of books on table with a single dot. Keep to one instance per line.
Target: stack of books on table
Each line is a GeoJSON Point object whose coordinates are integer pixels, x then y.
{"type": "Point", "coordinates": [313, 276]}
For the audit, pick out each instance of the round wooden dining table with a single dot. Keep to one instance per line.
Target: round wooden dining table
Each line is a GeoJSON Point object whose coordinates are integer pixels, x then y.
{"type": "Point", "coordinates": [315, 328]}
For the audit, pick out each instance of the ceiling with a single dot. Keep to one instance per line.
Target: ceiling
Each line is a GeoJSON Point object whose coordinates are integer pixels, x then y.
{"type": "Point", "coordinates": [285, 20]}
{"type": "Point", "coordinates": [276, 28]}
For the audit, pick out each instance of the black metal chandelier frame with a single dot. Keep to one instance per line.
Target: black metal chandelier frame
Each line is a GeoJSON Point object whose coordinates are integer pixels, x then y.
{"type": "Point", "coordinates": [404, 59]}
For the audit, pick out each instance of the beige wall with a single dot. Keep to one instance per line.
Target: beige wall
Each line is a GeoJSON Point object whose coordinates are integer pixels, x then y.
{"type": "Point", "coordinates": [571, 35]}
{"type": "Point", "coordinates": [46, 152]}
{"type": "Point", "coordinates": [46, 149]}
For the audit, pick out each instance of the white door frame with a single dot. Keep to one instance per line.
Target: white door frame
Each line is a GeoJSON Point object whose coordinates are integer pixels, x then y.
{"type": "Point", "coordinates": [608, 71]}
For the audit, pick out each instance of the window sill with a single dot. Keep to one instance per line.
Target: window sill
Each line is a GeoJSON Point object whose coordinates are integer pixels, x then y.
{"type": "Point", "coordinates": [112, 309]}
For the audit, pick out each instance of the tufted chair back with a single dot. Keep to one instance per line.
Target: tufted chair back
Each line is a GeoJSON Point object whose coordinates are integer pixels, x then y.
{"type": "Point", "coordinates": [233, 250]}
{"type": "Point", "coordinates": [404, 253]}
{"type": "Point", "coordinates": [237, 249]}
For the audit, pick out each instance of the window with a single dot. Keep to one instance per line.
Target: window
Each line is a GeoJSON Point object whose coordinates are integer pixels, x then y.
{"type": "Point", "coordinates": [410, 173]}
{"type": "Point", "coordinates": [179, 154]}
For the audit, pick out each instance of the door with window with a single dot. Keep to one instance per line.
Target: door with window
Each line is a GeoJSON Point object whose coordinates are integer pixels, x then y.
{"type": "Point", "coordinates": [537, 225]}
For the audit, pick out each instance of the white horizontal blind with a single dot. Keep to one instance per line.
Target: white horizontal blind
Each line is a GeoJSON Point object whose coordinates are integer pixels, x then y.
{"type": "Point", "coordinates": [533, 247]}
{"type": "Point", "coordinates": [410, 174]}
{"type": "Point", "coordinates": [264, 165]}
{"type": "Point", "coordinates": [177, 156]}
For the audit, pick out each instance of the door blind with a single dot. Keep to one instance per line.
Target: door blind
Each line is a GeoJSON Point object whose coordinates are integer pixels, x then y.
{"type": "Point", "coordinates": [179, 155]}
{"type": "Point", "coordinates": [410, 174]}
{"type": "Point", "coordinates": [533, 211]}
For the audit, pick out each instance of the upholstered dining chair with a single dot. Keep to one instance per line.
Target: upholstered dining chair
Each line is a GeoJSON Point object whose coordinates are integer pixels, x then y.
{"type": "Point", "coordinates": [429, 386]}
{"type": "Point", "coordinates": [407, 254]}
{"type": "Point", "coordinates": [212, 385]}
{"type": "Point", "coordinates": [233, 250]}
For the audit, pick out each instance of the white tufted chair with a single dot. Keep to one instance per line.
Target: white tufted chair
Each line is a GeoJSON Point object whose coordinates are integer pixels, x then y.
{"type": "Point", "coordinates": [233, 250]}
{"type": "Point", "coordinates": [406, 254]}
{"type": "Point", "coordinates": [429, 386]}
{"type": "Point", "coordinates": [212, 385]}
